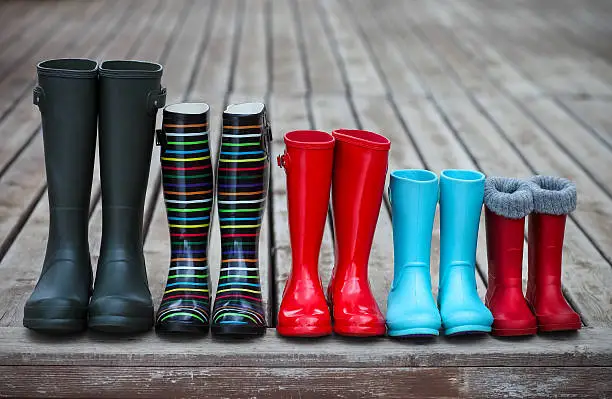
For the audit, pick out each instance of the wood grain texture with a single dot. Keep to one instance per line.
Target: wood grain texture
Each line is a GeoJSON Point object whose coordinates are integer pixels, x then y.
{"type": "Point", "coordinates": [588, 347]}
{"type": "Point", "coordinates": [449, 382]}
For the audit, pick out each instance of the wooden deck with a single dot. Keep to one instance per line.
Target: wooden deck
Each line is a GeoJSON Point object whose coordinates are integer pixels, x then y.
{"type": "Point", "coordinates": [507, 87]}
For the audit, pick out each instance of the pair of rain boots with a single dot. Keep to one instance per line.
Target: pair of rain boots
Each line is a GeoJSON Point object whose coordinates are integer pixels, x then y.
{"type": "Point", "coordinates": [353, 163]}
{"type": "Point", "coordinates": [546, 201]}
{"type": "Point", "coordinates": [411, 309]}
{"type": "Point", "coordinates": [242, 180]}
{"type": "Point", "coordinates": [121, 99]}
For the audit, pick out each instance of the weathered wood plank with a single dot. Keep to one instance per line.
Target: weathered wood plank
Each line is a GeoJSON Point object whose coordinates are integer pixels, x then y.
{"type": "Point", "coordinates": [353, 59]}
{"type": "Point", "coordinates": [30, 40]}
{"type": "Point", "coordinates": [595, 114]}
{"type": "Point", "coordinates": [251, 77]}
{"type": "Point", "coordinates": [588, 347]}
{"type": "Point", "coordinates": [549, 60]}
{"type": "Point", "coordinates": [323, 72]}
{"type": "Point", "coordinates": [288, 75]}
{"type": "Point", "coordinates": [157, 382]}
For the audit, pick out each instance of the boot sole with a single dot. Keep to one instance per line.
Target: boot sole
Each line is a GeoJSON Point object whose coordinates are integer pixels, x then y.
{"type": "Point", "coordinates": [237, 330]}
{"type": "Point", "coordinates": [359, 331]}
{"type": "Point", "coordinates": [559, 327]}
{"type": "Point", "coordinates": [181, 328]}
{"type": "Point", "coordinates": [513, 332]}
{"type": "Point", "coordinates": [467, 329]}
{"type": "Point", "coordinates": [304, 331]}
{"type": "Point", "coordinates": [120, 324]}
{"type": "Point", "coordinates": [413, 332]}
{"type": "Point", "coordinates": [56, 326]}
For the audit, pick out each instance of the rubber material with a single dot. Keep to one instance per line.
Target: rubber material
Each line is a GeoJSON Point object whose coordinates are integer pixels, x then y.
{"type": "Point", "coordinates": [242, 190]}
{"type": "Point", "coordinates": [461, 198]}
{"type": "Point", "coordinates": [545, 240]}
{"type": "Point", "coordinates": [187, 179]}
{"type": "Point", "coordinates": [308, 162]}
{"type": "Point", "coordinates": [411, 308]}
{"type": "Point", "coordinates": [505, 299]}
{"type": "Point", "coordinates": [121, 301]}
{"type": "Point", "coordinates": [360, 167]}
{"type": "Point", "coordinates": [67, 95]}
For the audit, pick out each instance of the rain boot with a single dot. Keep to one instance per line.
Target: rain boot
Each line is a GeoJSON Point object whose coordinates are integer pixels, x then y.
{"type": "Point", "coordinates": [411, 308]}
{"type": "Point", "coordinates": [67, 96]}
{"type": "Point", "coordinates": [188, 194]}
{"type": "Point", "coordinates": [507, 202]}
{"type": "Point", "coordinates": [360, 168]}
{"type": "Point", "coordinates": [308, 162]}
{"type": "Point", "coordinates": [243, 172]}
{"type": "Point", "coordinates": [553, 198]}
{"type": "Point", "coordinates": [461, 198]}
{"type": "Point", "coordinates": [130, 94]}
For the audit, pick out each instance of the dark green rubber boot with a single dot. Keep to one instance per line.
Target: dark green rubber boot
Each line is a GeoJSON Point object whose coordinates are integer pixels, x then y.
{"type": "Point", "coordinates": [130, 95]}
{"type": "Point", "coordinates": [67, 96]}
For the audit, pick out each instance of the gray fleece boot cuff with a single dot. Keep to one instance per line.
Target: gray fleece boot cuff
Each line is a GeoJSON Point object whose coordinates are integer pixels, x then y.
{"type": "Point", "coordinates": [508, 197]}
{"type": "Point", "coordinates": [553, 195]}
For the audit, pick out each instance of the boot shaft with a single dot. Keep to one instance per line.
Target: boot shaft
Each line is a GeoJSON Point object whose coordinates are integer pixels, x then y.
{"type": "Point", "coordinates": [545, 250]}
{"type": "Point", "coordinates": [461, 198]}
{"type": "Point", "coordinates": [67, 96]}
{"type": "Point", "coordinates": [554, 198]}
{"type": "Point", "coordinates": [414, 197]}
{"type": "Point", "coordinates": [130, 94]}
{"type": "Point", "coordinates": [507, 202]}
{"type": "Point", "coordinates": [360, 168]}
{"type": "Point", "coordinates": [308, 163]}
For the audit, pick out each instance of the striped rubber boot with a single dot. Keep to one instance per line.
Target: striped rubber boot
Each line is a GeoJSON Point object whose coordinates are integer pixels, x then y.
{"type": "Point", "coordinates": [188, 193]}
{"type": "Point", "coordinates": [242, 188]}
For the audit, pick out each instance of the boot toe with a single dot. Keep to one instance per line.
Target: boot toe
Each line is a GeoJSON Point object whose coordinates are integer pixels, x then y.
{"type": "Point", "coordinates": [567, 321]}
{"type": "Point", "coordinates": [186, 319]}
{"type": "Point", "coordinates": [304, 325]}
{"type": "Point", "coordinates": [359, 325]}
{"type": "Point", "coordinates": [422, 323]}
{"type": "Point", "coordinates": [464, 321]}
{"type": "Point", "coordinates": [119, 314]}
{"type": "Point", "coordinates": [55, 314]}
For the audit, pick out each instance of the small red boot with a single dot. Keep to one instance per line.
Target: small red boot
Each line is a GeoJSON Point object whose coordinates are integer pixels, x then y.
{"type": "Point", "coordinates": [308, 163]}
{"type": "Point", "coordinates": [360, 168]}
{"type": "Point", "coordinates": [553, 198]}
{"type": "Point", "coordinates": [507, 203]}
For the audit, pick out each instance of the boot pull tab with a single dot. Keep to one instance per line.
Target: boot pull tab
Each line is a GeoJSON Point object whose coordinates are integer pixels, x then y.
{"type": "Point", "coordinates": [267, 133]}
{"type": "Point", "coordinates": [160, 137]}
{"type": "Point", "coordinates": [38, 97]}
{"type": "Point", "coordinates": [283, 161]}
{"type": "Point", "coordinates": [156, 99]}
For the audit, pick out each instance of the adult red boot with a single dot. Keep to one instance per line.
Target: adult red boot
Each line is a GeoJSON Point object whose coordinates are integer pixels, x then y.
{"type": "Point", "coordinates": [360, 168]}
{"type": "Point", "coordinates": [507, 203]}
{"type": "Point", "coordinates": [308, 163]}
{"type": "Point", "coordinates": [553, 199]}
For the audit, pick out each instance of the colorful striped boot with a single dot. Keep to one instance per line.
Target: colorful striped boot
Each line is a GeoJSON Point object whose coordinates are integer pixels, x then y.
{"type": "Point", "coordinates": [188, 194]}
{"type": "Point", "coordinates": [242, 188]}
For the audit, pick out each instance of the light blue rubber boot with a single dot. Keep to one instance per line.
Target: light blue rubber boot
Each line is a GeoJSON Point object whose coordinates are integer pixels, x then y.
{"type": "Point", "coordinates": [461, 197]}
{"type": "Point", "coordinates": [411, 308]}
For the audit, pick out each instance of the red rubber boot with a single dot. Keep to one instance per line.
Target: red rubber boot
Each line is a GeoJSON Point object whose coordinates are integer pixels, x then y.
{"type": "Point", "coordinates": [308, 163]}
{"type": "Point", "coordinates": [360, 168]}
{"type": "Point", "coordinates": [507, 202]}
{"type": "Point", "coordinates": [553, 199]}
